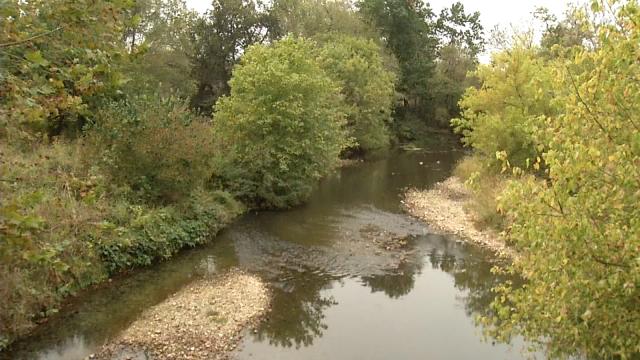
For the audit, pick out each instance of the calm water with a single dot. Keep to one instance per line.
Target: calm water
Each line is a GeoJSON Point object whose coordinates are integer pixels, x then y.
{"type": "Point", "coordinates": [336, 295]}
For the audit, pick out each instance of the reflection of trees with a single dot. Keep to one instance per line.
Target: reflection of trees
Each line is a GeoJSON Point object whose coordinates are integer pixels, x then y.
{"type": "Point", "coordinates": [297, 310]}
{"type": "Point", "coordinates": [473, 275]}
{"type": "Point", "coordinates": [396, 284]}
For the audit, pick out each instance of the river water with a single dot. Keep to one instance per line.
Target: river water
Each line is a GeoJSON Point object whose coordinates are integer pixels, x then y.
{"type": "Point", "coordinates": [339, 293]}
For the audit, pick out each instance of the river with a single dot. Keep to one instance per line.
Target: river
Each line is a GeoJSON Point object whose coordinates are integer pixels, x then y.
{"type": "Point", "coordinates": [337, 293]}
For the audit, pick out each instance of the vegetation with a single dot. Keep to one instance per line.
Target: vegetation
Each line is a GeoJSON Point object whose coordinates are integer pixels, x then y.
{"type": "Point", "coordinates": [418, 39]}
{"type": "Point", "coordinates": [281, 128]}
{"type": "Point", "coordinates": [111, 156]}
{"type": "Point", "coordinates": [558, 123]}
{"type": "Point", "coordinates": [132, 129]}
{"type": "Point", "coordinates": [357, 66]}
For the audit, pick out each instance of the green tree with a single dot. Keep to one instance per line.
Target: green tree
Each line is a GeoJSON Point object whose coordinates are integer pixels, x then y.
{"type": "Point", "coordinates": [158, 35]}
{"type": "Point", "coordinates": [219, 39]}
{"type": "Point", "coordinates": [281, 129]}
{"type": "Point", "coordinates": [408, 28]}
{"type": "Point", "coordinates": [563, 35]}
{"type": "Point", "coordinates": [451, 80]}
{"type": "Point", "coordinates": [153, 146]}
{"type": "Point", "coordinates": [578, 233]}
{"type": "Point", "coordinates": [504, 115]}
{"type": "Point", "coordinates": [458, 29]}
{"type": "Point", "coordinates": [368, 88]}
{"type": "Point", "coordinates": [309, 18]}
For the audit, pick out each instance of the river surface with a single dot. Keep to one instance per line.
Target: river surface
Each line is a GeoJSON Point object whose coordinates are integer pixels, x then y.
{"type": "Point", "coordinates": [339, 292]}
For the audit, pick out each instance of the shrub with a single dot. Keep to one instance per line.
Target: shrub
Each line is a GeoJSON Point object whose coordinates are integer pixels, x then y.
{"type": "Point", "coordinates": [368, 88]}
{"type": "Point", "coordinates": [154, 146]}
{"type": "Point", "coordinates": [47, 207]}
{"type": "Point", "coordinates": [281, 129]}
{"type": "Point", "coordinates": [134, 235]}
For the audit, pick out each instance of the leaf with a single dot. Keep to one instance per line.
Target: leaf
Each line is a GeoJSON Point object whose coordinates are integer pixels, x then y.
{"type": "Point", "coordinates": [36, 58]}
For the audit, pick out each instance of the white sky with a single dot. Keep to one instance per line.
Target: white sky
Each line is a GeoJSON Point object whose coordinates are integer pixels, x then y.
{"type": "Point", "coordinates": [504, 13]}
{"type": "Point", "coordinates": [492, 12]}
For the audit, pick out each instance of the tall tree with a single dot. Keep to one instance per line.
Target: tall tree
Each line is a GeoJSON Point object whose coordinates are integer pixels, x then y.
{"type": "Point", "coordinates": [158, 39]}
{"type": "Point", "coordinates": [312, 17]}
{"type": "Point", "coordinates": [458, 29]}
{"type": "Point", "coordinates": [409, 30]}
{"type": "Point", "coordinates": [219, 38]}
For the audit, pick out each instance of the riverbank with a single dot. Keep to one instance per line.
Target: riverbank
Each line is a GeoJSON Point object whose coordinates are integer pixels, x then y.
{"type": "Point", "coordinates": [444, 208]}
{"type": "Point", "coordinates": [205, 320]}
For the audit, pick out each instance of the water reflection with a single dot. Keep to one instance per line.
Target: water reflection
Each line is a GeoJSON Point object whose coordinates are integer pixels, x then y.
{"type": "Point", "coordinates": [300, 305]}
{"type": "Point", "coordinates": [298, 311]}
{"type": "Point", "coordinates": [397, 283]}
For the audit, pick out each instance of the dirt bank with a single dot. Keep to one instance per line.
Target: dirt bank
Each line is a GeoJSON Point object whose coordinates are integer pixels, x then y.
{"type": "Point", "coordinates": [444, 208]}
{"type": "Point", "coordinates": [202, 321]}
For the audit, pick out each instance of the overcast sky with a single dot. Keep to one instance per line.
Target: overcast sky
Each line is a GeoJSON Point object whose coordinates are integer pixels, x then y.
{"type": "Point", "coordinates": [504, 13]}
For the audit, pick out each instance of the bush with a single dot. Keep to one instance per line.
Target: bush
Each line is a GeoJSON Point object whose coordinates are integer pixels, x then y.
{"type": "Point", "coordinates": [48, 205]}
{"type": "Point", "coordinates": [368, 88]}
{"type": "Point", "coordinates": [281, 129]}
{"type": "Point", "coordinates": [134, 236]}
{"type": "Point", "coordinates": [63, 229]}
{"type": "Point", "coordinates": [51, 83]}
{"type": "Point", "coordinates": [156, 147]}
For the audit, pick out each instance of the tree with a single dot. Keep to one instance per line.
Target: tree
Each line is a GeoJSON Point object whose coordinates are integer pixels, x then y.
{"type": "Point", "coordinates": [578, 232]}
{"type": "Point", "coordinates": [219, 40]}
{"type": "Point", "coordinates": [566, 34]}
{"type": "Point", "coordinates": [451, 80]}
{"type": "Point", "coordinates": [281, 128]}
{"type": "Point", "coordinates": [309, 18]}
{"type": "Point", "coordinates": [504, 115]}
{"type": "Point", "coordinates": [57, 58]}
{"type": "Point", "coordinates": [460, 30]}
{"type": "Point", "coordinates": [408, 28]}
{"type": "Point", "coordinates": [158, 34]}
{"type": "Point", "coordinates": [368, 88]}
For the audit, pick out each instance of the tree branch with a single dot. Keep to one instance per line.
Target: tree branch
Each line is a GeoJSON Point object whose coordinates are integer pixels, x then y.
{"type": "Point", "coordinates": [19, 42]}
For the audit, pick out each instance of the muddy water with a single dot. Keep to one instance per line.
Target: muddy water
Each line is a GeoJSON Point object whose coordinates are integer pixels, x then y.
{"type": "Point", "coordinates": [352, 277]}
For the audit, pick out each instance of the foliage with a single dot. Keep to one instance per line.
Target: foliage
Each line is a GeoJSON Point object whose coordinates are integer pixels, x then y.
{"type": "Point", "coordinates": [416, 36]}
{"type": "Point", "coordinates": [154, 146]}
{"type": "Point", "coordinates": [63, 228]}
{"type": "Point", "coordinates": [502, 117]}
{"type": "Point", "coordinates": [281, 128]}
{"type": "Point", "coordinates": [219, 39]}
{"type": "Point", "coordinates": [309, 18]}
{"type": "Point", "coordinates": [451, 79]}
{"type": "Point", "coordinates": [56, 58]}
{"type": "Point", "coordinates": [367, 88]}
{"type": "Point", "coordinates": [460, 30]}
{"type": "Point", "coordinates": [566, 34]}
{"type": "Point", "coordinates": [46, 208]}
{"type": "Point", "coordinates": [135, 236]}
{"type": "Point", "coordinates": [409, 30]}
{"type": "Point", "coordinates": [158, 35]}
{"type": "Point", "coordinates": [578, 232]}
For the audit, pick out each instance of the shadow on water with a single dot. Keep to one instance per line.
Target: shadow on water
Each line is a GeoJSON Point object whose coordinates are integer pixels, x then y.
{"type": "Point", "coordinates": [337, 293]}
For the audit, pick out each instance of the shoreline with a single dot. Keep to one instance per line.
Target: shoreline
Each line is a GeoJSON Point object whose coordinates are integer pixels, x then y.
{"type": "Point", "coordinates": [443, 207]}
